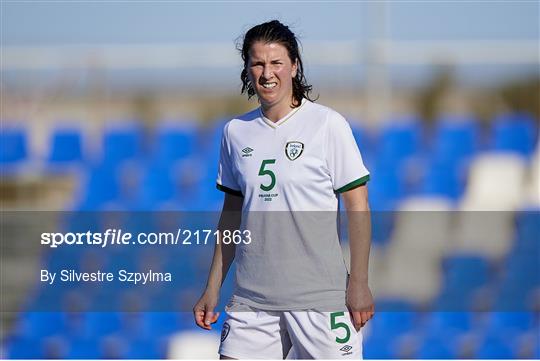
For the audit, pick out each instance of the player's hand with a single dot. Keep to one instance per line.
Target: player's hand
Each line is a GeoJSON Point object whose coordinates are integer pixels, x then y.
{"type": "Point", "coordinates": [203, 311]}
{"type": "Point", "coordinates": [360, 304]}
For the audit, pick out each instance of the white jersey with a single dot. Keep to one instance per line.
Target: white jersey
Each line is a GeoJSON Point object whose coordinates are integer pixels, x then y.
{"type": "Point", "coordinates": [298, 164]}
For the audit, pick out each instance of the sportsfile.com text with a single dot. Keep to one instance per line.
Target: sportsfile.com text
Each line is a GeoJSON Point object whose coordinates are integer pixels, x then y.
{"type": "Point", "coordinates": [183, 237]}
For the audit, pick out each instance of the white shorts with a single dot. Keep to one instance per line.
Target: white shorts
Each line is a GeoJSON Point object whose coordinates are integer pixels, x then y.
{"type": "Point", "coordinates": [257, 334]}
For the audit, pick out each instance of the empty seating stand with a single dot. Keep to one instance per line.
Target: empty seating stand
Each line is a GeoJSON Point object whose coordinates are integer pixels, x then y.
{"type": "Point", "coordinates": [437, 254]}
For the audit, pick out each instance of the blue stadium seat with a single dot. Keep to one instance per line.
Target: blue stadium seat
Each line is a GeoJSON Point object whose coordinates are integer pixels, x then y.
{"type": "Point", "coordinates": [527, 345]}
{"type": "Point", "coordinates": [528, 229]}
{"type": "Point", "coordinates": [523, 268]}
{"type": "Point", "coordinates": [36, 325]}
{"type": "Point", "coordinates": [509, 327]}
{"type": "Point", "coordinates": [136, 326]}
{"type": "Point", "coordinates": [437, 347]}
{"type": "Point", "coordinates": [55, 347]}
{"type": "Point", "coordinates": [462, 276]}
{"type": "Point", "coordinates": [65, 147]}
{"type": "Point", "coordinates": [83, 348]}
{"type": "Point", "coordinates": [141, 221]}
{"type": "Point", "coordinates": [163, 323]}
{"type": "Point", "coordinates": [113, 347]}
{"type": "Point", "coordinates": [378, 347]}
{"type": "Point", "coordinates": [512, 298]}
{"type": "Point", "coordinates": [13, 146]}
{"type": "Point", "coordinates": [209, 199]}
{"type": "Point", "coordinates": [397, 144]}
{"type": "Point", "coordinates": [494, 349]}
{"type": "Point", "coordinates": [441, 179]}
{"type": "Point", "coordinates": [450, 299]}
{"type": "Point", "coordinates": [166, 323]}
{"type": "Point", "coordinates": [398, 140]}
{"type": "Point", "coordinates": [21, 348]}
{"type": "Point", "coordinates": [385, 188]}
{"type": "Point", "coordinates": [121, 143]}
{"type": "Point", "coordinates": [155, 184]}
{"type": "Point", "coordinates": [456, 139]}
{"type": "Point", "coordinates": [364, 142]}
{"type": "Point", "coordinates": [202, 194]}
{"type": "Point", "coordinates": [361, 135]}
{"type": "Point", "coordinates": [149, 349]}
{"type": "Point", "coordinates": [382, 224]}
{"type": "Point", "coordinates": [394, 304]}
{"type": "Point", "coordinates": [54, 335]}
{"type": "Point", "coordinates": [510, 321]}
{"type": "Point", "coordinates": [46, 298]}
{"type": "Point", "coordinates": [515, 132]}
{"type": "Point", "coordinates": [45, 347]}
{"type": "Point", "coordinates": [520, 277]}
{"type": "Point", "coordinates": [102, 185]}
{"type": "Point", "coordinates": [174, 141]}
{"type": "Point", "coordinates": [104, 323]}
{"type": "Point", "coordinates": [394, 317]}
{"type": "Point", "coordinates": [77, 325]}
{"type": "Point", "coordinates": [443, 321]}
{"type": "Point", "coordinates": [467, 271]}
{"type": "Point", "coordinates": [210, 138]}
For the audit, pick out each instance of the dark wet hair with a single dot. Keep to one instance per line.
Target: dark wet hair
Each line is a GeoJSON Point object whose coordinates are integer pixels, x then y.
{"type": "Point", "coordinates": [275, 32]}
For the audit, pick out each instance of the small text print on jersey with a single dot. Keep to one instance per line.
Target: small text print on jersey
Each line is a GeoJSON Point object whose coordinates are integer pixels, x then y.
{"type": "Point", "coordinates": [293, 150]}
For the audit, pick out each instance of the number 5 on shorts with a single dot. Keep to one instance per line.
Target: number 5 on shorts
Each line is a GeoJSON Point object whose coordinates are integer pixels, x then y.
{"type": "Point", "coordinates": [335, 325]}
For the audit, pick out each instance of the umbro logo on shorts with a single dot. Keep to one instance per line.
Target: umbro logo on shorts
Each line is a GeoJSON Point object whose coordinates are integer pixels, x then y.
{"type": "Point", "coordinates": [247, 152]}
{"type": "Point", "coordinates": [225, 331]}
{"type": "Point", "coordinates": [346, 350]}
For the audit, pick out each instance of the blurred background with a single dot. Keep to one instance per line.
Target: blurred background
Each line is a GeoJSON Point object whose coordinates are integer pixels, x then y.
{"type": "Point", "coordinates": [119, 106]}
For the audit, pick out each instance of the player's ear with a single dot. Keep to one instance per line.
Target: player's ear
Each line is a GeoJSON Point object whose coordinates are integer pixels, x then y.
{"type": "Point", "coordinates": [294, 69]}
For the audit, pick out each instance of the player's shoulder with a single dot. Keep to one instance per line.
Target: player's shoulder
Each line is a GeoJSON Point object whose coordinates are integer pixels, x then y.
{"type": "Point", "coordinates": [242, 121]}
{"type": "Point", "coordinates": [327, 116]}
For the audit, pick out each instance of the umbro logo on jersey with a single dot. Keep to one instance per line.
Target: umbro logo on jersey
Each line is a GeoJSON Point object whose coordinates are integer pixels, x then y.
{"type": "Point", "coordinates": [247, 152]}
{"type": "Point", "coordinates": [346, 349]}
{"type": "Point", "coordinates": [293, 150]}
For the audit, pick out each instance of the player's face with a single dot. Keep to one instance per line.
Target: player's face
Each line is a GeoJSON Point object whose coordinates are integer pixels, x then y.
{"type": "Point", "coordinates": [271, 73]}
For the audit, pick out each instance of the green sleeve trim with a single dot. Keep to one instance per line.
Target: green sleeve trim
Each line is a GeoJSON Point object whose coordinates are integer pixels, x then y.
{"type": "Point", "coordinates": [354, 184]}
{"type": "Point", "coordinates": [229, 190]}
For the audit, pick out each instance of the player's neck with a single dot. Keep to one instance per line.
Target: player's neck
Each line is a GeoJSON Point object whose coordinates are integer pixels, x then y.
{"type": "Point", "coordinates": [277, 111]}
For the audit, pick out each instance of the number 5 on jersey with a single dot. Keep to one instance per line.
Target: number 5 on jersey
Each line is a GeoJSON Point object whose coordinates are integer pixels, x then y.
{"type": "Point", "coordinates": [267, 172]}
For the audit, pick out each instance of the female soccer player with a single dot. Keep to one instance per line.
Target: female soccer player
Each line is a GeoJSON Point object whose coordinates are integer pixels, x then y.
{"type": "Point", "coordinates": [283, 167]}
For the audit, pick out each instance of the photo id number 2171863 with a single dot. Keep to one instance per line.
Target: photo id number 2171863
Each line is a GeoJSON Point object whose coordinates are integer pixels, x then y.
{"type": "Point", "coordinates": [224, 237]}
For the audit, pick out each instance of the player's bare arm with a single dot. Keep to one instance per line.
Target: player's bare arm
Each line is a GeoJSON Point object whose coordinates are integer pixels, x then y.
{"type": "Point", "coordinates": [203, 311]}
{"type": "Point", "coordinates": [359, 297]}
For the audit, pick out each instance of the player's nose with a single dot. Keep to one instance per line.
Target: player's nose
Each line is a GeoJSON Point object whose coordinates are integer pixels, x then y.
{"type": "Point", "coordinates": [267, 73]}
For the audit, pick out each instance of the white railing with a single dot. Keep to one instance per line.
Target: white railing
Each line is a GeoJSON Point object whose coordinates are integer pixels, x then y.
{"type": "Point", "coordinates": [220, 55]}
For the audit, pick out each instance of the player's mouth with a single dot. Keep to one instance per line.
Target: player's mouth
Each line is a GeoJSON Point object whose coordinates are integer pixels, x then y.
{"type": "Point", "coordinates": [269, 85]}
